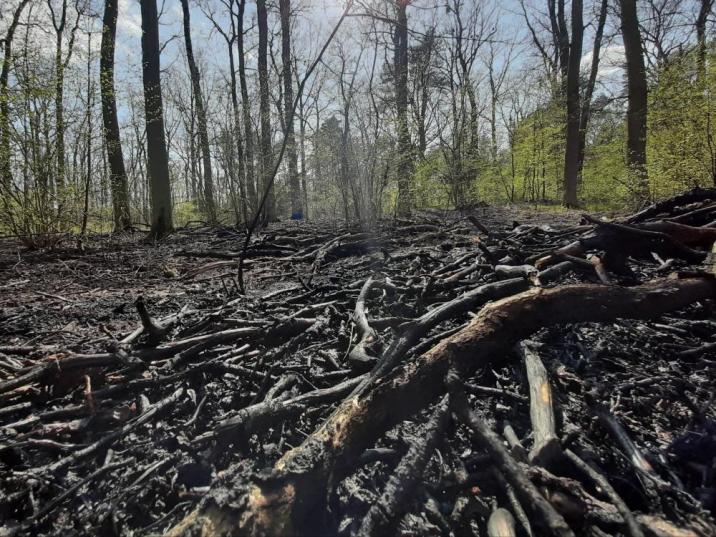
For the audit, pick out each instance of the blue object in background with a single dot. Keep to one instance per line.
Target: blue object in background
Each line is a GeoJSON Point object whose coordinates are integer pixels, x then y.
{"type": "Point", "coordinates": [298, 215]}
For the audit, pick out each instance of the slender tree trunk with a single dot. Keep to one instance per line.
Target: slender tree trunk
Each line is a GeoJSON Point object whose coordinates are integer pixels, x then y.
{"type": "Point", "coordinates": [704, 11]}
{"type": "Point", "coordinates": [246, 112]}
{"type": "Point", "coordinates": [117, 172]}
{"type": "Point", "coordinates": [589, 90]}
{"type": "Point", "coordinates": [240, 171]}
{"type": "Point", "coordinates": [571, 155]}
{"type": "Point", "coordinates": [304, 191]}
{"type": "Point", "coordinates": [405, 163]}
{"type": "Point", "coordinates": [59, 116]}
{"type": "Point", "coordinates": [637, 105]}
{"type": "Point", "coordinates": [560, 40]}
{"type": "Point", "coordinates": [157, 158]}
{"type": "Point", "coordinates": [265, 113]}
{"type": "Point", "coordinates": [209, 204]}
{"type": "Point", "coordinates": [291, 157]}
{"type": "Point", "coordinates": [5, 168]}
{"type": "Point", "coordinates": [88, 177]}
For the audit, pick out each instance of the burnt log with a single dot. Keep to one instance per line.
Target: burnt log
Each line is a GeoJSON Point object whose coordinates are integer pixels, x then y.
{"type": "Point", "coordinates": [291, 500]}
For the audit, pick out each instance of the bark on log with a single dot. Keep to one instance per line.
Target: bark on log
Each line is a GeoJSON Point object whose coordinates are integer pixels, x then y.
{"type": "Point", "coordinates": [359, 357]}
{"type": "Point", "coordinates": [698, 237]}
{"type": "Point", "coordinates": [546, 448]}
{"type": "Point", "coordinates": [665, 206]}
{"type": "Point", "coordinates": [292, 499]}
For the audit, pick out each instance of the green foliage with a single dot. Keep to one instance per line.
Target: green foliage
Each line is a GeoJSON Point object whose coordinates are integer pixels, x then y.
{"type": "Point", "coordinates": [185, 212]}
{"type": "Point", "coordinates": [429, 191]}
{"type": "Point", "coordinates": [682, 111]}
{"type": "Point", "coordinates": [680, 145]}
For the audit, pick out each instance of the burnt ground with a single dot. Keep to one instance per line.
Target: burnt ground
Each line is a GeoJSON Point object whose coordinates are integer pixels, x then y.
{"type": "Point", "coordinates": [129, 441]}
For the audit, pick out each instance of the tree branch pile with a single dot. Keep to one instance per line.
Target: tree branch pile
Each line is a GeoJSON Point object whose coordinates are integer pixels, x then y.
{"type": "Point", "coordinates": [442, 375]}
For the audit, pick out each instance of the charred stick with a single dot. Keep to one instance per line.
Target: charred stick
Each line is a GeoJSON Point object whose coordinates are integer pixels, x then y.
{"type": "Point", "coordinates": [695, 194]}
{"type": "Point", "coordinates": [111, 437]}
{"type": "Point", "coordinates": [460, 274]}
{"type": "Point", "coordinates": [546, 448]}
{"type": "Point", "coordinates": [699, 237]}
{"type": "Point", "coordinates": [520, 513]}
{"type": "Point", "coordinates": [547, 517]}
{"type": "Point", "coordinates": [261, 415]}
{"type": "Point", "coordinates": [337, 444]}
{"type": "Point", "coordinates": [516, 448]}
{"type": "Point", "coordinates": [154, 331]}
{"type": "Point", "coordinates": [37, 517]}
{"type": "Point", "coordinates": [454, 265]}
{"type": "Point", "coordinates": [366, 335]}
{"type": "Point", "coordinates": [656, 240]}
{"type": "Point", "coordinates": [631, 450]}
{"type": "Point", "coordinates": [387, 510]}
{"type": "Point", "coordinates": [599, 480]}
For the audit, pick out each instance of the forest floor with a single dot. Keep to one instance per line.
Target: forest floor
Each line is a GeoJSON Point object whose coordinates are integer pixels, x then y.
{"type": "Point", "coordinates": [114, 425]}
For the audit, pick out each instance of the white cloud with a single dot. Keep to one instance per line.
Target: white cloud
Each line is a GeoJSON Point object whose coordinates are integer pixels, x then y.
{"type": "Point", "coordinates": [611, 62]}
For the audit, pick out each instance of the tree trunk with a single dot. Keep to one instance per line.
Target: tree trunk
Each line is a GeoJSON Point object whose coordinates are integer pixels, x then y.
{"type": "Point", "coordinates": [560, 40]}
{"type": "Point", "coordinates": [294, 181]}
{"type": "Point", "coordinates": [157, 158]}
{"type": "Point", "coordinates": [571, 155]}
{"type": "Point", "coordinates": [209, 204]}
{"type": "Point", "coordinates": [589, 90]}
{"type": "Point", "coordinates": [246, 111]}
{"type": "Point", "coordinates": [5, 169]}
{"type": "Point", "coordinates": [90, 102]}
{"type": "Point", "coordinates": [269, 209]}
{"type": "Point", "coordinates": [304, 191]}
{"type": "Point", "coordinates": [240, 172]}
{"type": "Point", "coordinates": [637, 105]}
{"type": "Point", "coordinates": [704, 12]}
{"type": "Point", "coordinates": [117, 172]}
{"type": "Point", "coordinates": [59, 119]}
{"type": "Point", "coordinates": [405, 165]}
{"type": "Point", "coordinates": [59, 112]}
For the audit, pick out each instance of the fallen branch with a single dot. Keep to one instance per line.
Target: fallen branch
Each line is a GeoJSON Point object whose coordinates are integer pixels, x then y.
{"type": "Point", "coordinates": [546, 448]}
{"type": "Point", "coordinates": [334, 448]}
{"type": "Point", "coordinates": [382, 515]}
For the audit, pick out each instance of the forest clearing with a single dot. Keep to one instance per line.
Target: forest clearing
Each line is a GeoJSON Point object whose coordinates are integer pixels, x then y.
{"type": "Point", "coordinates": [357, 268]}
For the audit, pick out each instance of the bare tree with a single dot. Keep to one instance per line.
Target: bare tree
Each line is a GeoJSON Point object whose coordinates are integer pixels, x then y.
{"type": "Point", "coordinates": [404, 169]}
{"type": "Point", "coordinates": [291, 157]}
{"type": "Point", "coordinates": [269, 211]}
{"type": "Point", "coordinates": [637, 102]}
{"type": "Point", "coordinates": [117, 172]}
{"type": "Point", "coordinates": [571, 155]}
{"type": "Point", "coordinates": [705, 8]}
{"type": "Point", "coordinates": [208, 198]}
{"type": "Point", "coordinates": [59, 23]}
{"type": "Point", "coordinates": [5, 168]}
{"type": "Point", "coordinates": [157, 158]}
{"type": "Point", "coordinates": [591, 83]}
{"type": "Point", "coordinates": [251, 185]}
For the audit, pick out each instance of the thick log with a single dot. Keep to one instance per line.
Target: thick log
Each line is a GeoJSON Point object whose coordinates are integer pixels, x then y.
{"type": "Point", "coordinates": [634, 240]}
{"type": "Point", "coordinates": [698, 237]}
{"type": "Point", "coordinates": [292, 500]}
{"type": "Point", "coordinates": [667, 205]}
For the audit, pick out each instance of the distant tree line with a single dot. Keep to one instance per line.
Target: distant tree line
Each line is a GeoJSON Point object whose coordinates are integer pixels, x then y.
{"type": "Point", "coordinates": [602, 103]}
